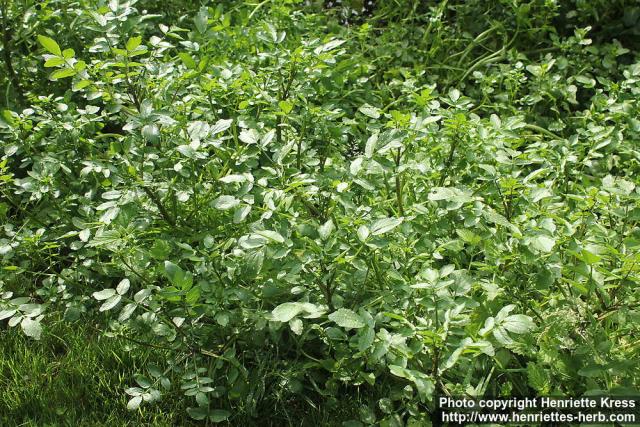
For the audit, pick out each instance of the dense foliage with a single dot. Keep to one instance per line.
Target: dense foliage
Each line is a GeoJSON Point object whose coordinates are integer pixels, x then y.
{"type": "Point", "coordinates": [297, 204]}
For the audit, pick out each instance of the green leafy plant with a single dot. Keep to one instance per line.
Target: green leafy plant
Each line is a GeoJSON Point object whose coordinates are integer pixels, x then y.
{"type": "Point", "coordinates": [294, 210]}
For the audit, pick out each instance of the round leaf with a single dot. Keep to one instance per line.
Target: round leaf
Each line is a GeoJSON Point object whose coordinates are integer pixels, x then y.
{"type": "Point", "coordinates": [346, 318]}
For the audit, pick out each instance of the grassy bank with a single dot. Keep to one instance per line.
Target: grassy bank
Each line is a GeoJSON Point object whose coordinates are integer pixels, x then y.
{"type": "Point", "coordinates": [74, 376]}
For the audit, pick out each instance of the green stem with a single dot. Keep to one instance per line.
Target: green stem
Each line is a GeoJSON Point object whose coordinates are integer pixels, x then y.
{"type": "Point", "coordinates": [163, 211]}
{"type": "Point", "coordinates": [399, 184]}
{"type": "Point", "coordinates": [6, 51]}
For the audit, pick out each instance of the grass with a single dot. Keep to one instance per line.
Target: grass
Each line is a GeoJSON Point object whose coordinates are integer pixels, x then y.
{"type": "Point", "coordinates": [72, 376]}
{"type": "Point", "coordinates": [75, 376]}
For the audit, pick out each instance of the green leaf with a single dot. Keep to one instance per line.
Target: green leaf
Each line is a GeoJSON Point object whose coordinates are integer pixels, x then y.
{"type": "Point", "coordinates": [110, 303]}
{"type": "Point", "coordinates": [5, 314]}
{"type": "Point", "coordinates": [423, 383]}
{"type": "Point", "coordinates": [198, 130]}
{"type": "Point", "coordinates": [489, 323]}
{"type": "Point", "coordinates": [62, 73]}
{"type": "Point", "coordinates": [126, 312]}
{"type": "Point", "coordinates": [543, 243]}
{"type": "Point", "coordinates": [296, 326]}
{"type": "Point", "coordinates": [198, 413]}
{"type": "Point", "coordinates": [518, 324]}
{"type": "Point", "coordinates": [8, 117]}
{"type": "Point", "coordinates": [249, 136]}
{"type": "Point", "coordinates": [202, 399]}
{"type": "Point", "coordinates": [151, 133]}
{"type": "Point", "coordinates": [201, 20]}
{"type": "Point", "coordinates": [370, 147]}
{"type": "Point", "coordinates": [356, 166]}
{"type": "Point", "coordinates": [133, 43]}
{"type": "Point", "coordinates": [453, 357]}
{"type": "Point", "coordinates": [109, 239]}
{"type": "Point", "coordinates": [177, 276]}
{"type": "Point", "coordinates": [399, 371]}
{"type": "Point", "coordinates": [504, 312]}
{"type": "Point", "coordinates": [253, 262]}
{"type": "Point", "coordinates": [84, 235]}
{"type": "Point", "coordinates": [100, 19]}
{"type": "Point", "coordinates": [188, 151]}
{"type": "Point", "coordinates": [266, 140]}
{"type": "Point", "coordinates": [326, 229]}
{"type": "Point", "coordinates": [468, 236]}
{"type": "Point", "coordinates": [271, 235]}
{"type": "Point", "coordinates": [104, 294]}
{"type": "Point", "coordinates": [586, 81]}
{"type": "Point", "coordinates": [50, 45]}
{"type": "Point", "coordinates": [454, 94]}
{"type": "Point", "coordinates": [173, 272]}
{"type": "Point", "coordinates": [501, 335]}
{"type": "Point", "coordinates": [366, 338]}
{"type": "Point", "coordinates": [55, 61]}
{"type": "Point", "coordinates": [134, 403]}
{"type": "Point", "coordinates": [286, 311]}
{"type": "Point", "coordinates": [589, 257]}
{"type": "Point", "coordinates": [328, 46]}
{"type": "Point", "coordinates": [31, 328]}
{"type": "Point", "coordinates": [538, 378]}
{"type": "Point", "coordinates": [222, 319]}
{"type": "Point", "coordinates": [193, 295]}
{"type": "Point", "coordinates": [219, 415]}
{"type": "Point", "coordinates": [494, 217]}
{"type": "Point", "coordinates": [233, 178]}
{"type": "Point", "coordinates": [241, 213]}
{"type": "Point", "coordinates": [221, 126]}
{"type": "Point", "coordinates": [363, 233]}
{"type": "Point", "coordinates": [347, 318]}
{"type": "Point", "coordinates": [592, 371]}
{"type": "Point", "coordinates": [441, 193]}
{"type": "Point", "coordinates": [123, 286]}
{"type": "Point", "coordinates": [187, 60]}
{"type": "Point", "coordinates": [224, 203]}
{"type": "Point", "coordinates": [369, 111]}
{"type": "Point", "coordinates": [384, 225]}
{"type": "Point", "coordinates": [285, 106]}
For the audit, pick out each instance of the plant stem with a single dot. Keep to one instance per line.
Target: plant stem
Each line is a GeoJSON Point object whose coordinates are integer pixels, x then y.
{"type": "Point", "coordinates": [399, 185]}
{"type": "Point", "coordinates": [6, 50]}
{"type": "Point", "coordinates": [163, 211]}
{"type": "Point", "coordinates": [449, 161]}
